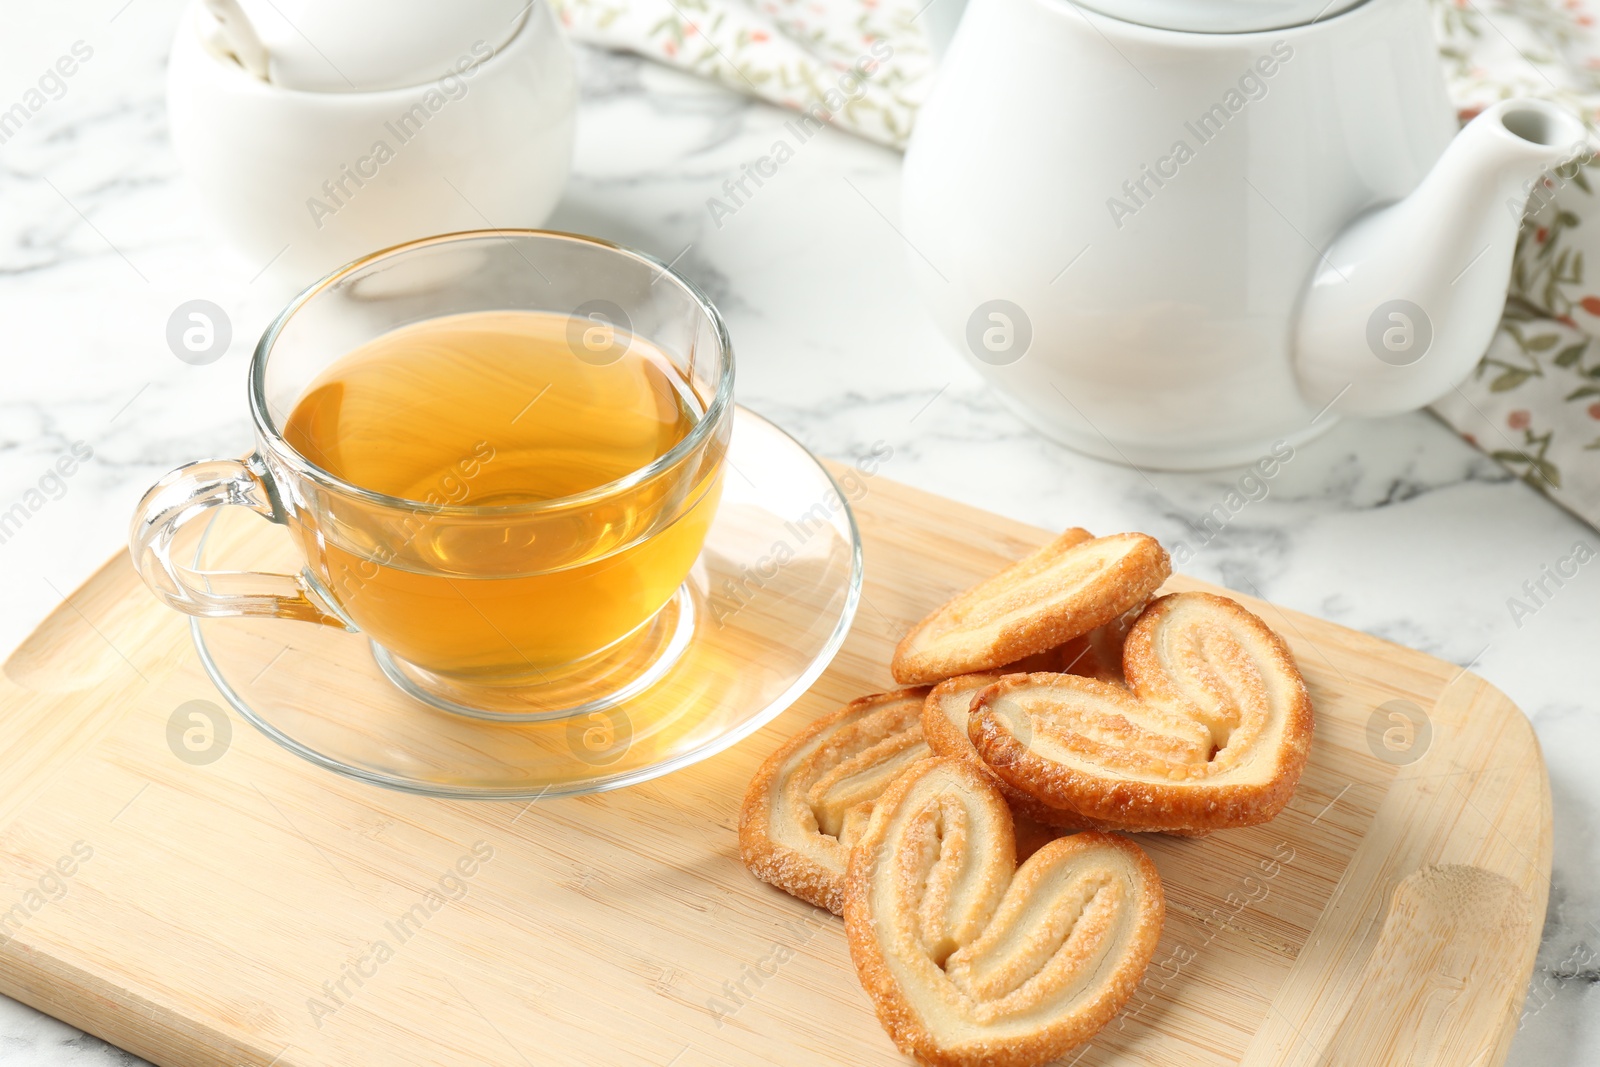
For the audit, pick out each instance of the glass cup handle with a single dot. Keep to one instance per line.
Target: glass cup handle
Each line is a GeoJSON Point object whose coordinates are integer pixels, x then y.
{"type": "Point", "coordinates": [186, 495]}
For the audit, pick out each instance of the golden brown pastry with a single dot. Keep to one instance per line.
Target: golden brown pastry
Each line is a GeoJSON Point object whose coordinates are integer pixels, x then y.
{"type": "Point", "coordinates": [1069, 587]}
{"type": "Point", "coordinates": [811, 797]}
{"type": "Point", "coordinates": [1214, 733]}
{"type": "Point", "coordinates": [944, 728]}
{"type": "Point", "coordinates": [971, 960]}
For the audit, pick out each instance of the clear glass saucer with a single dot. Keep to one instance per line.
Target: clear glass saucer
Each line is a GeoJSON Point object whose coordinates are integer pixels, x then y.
{"type": "Point", "coordinates": [765, 609]}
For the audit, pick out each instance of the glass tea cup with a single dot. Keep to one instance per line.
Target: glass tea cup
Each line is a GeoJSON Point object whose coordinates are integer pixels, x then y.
{"type": "Point", "coordinates": [463, 600]}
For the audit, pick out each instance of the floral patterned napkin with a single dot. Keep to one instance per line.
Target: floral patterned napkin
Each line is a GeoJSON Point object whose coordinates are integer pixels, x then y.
{"type": "Point", "coordinates": [863, 65]}
{"type": "Point", "coordinates": [1534, 401]}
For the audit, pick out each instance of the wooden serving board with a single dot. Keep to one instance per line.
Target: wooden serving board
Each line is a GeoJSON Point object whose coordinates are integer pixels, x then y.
{"type": "Point", "coordinates": [233, 913]}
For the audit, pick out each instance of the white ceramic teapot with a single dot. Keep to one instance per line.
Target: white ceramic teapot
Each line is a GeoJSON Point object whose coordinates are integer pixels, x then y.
{"type": "Point", "coordinates": [1175, 232]}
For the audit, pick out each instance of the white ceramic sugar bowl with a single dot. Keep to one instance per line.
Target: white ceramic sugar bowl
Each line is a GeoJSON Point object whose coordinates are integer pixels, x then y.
{"type": "Point", "coordinates": [313, 145]}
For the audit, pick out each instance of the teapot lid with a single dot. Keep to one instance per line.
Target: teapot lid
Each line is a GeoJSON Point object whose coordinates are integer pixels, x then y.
{"type": "Point", "coordinates": [1220, 16]}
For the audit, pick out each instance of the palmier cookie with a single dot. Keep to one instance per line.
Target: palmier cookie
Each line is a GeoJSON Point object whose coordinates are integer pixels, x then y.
{"type": "Point", "coordinates": [1069, 587]}
{"type": "Point", "coordinates": [1214, 734]}
{"type": "Point", "coordinates": [970, 959]}
{"type": "Point", "coordinates": [944, 728]}
{"type": "Point", "coordinates": [812, 796]}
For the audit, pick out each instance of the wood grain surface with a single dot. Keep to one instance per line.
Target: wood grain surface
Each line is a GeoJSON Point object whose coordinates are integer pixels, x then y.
{"type": "Point", "coordinates": [257, 910]}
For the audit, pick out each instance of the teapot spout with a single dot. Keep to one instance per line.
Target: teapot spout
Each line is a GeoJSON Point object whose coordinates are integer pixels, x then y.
{"type": "Point", "coordinates": [1405, 300]}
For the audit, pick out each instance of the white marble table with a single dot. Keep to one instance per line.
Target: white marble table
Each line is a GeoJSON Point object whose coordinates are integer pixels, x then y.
{"type": "Point", "coordinates": [1394, 527]}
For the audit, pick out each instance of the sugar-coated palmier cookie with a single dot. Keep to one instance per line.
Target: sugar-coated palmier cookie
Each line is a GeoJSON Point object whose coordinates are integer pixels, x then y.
{"type": "Point", "coordinates": [1214, 733]}
{"type": "Point", "coordinates": [811, 797]}
{"type": "Point", "coordinates": [944, 728]}
{"type": "Point", "coordinates": [1069, 587]}
{"type": "Point", "coordinates": [973, 960]}
{"type": "Point", "coordinates": [1097, 654]}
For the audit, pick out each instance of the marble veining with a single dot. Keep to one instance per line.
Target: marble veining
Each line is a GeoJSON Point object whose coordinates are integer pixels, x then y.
{"type": "Point", "coordinates": [1395, 527]}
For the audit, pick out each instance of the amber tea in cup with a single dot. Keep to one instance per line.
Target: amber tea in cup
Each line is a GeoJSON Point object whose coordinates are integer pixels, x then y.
{"type": "Point", "coordinates": [492, 409]}
{"type": "Point", "coordinates": [499, 454]}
